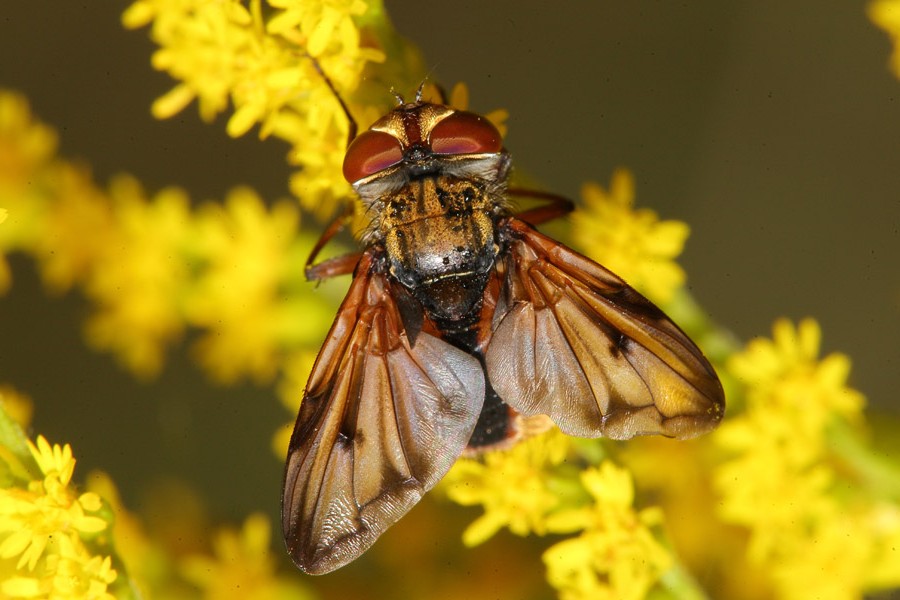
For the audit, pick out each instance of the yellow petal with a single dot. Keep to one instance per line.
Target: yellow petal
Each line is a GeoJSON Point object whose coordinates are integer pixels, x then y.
{"type": "Point", "coordinates": [172, 102]}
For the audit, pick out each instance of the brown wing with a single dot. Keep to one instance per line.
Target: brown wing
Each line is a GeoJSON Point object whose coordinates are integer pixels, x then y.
{"type": "Point", "coordinates": [381, 422]}
{"type": "Point", "coordinates": [573, 341]}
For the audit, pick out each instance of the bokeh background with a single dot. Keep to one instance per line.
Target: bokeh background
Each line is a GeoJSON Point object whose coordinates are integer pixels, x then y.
{"type": "Point", "coordinates": [773, 129]}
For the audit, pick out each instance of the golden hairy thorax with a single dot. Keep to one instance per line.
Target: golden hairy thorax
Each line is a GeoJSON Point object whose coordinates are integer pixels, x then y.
{"type": "Point", "coordinates": [439, 227]}
{"type": "Point", "coordinates": [440, 237]}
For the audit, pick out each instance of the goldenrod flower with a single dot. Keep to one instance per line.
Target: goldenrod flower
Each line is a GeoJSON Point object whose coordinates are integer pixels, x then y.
{"type": "Point", "coordinates": [259, 61]}
{"type": "Point", "coordinates": [70, 574]}
{"type": "Point", "coordinates": [515, 487]}
{"type": "Point", "coordinates": [27, 147]}
{"type": "Point", "coordinates": [616, 555]}
{"type": "Point", "coordinates": [530, 490]}
{"type": "Point", "coordinates": [57, 212]}
{"type": "Point", "coordinates": [792, 395]}
{"type": "Point", "coordinates": [886, 14]}
{"type": "Point", "coordinates": [237, 298]}
{"type": "Point", "coordinates": [44, 529]}
{"type": "Point", "coordinates": [632, 243]}
{"type": "Point", "coordinates": [212, 47]}
{"type": "Point", "coordinates": [152, 266]}
{"type": "Point", "coordinates": [79, 227]}
{"type": "Point", "coordinates": [137, 281]}
{"type": "Point", "coordinates": [242, 566]}
{"type": "Point", "coordinates": [811, 525]}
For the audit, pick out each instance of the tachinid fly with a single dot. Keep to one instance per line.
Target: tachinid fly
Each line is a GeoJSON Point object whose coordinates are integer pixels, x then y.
{"type": "Point", "coordinates": [461, 321]}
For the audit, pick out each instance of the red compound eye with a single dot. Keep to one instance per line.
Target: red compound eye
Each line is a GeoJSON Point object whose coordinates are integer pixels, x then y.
{"type": "Point", "coordinates": [371, 152]}
{"type": "Point", "coordinates": [465, 133]}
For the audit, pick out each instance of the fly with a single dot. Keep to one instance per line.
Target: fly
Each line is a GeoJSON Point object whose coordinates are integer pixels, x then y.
{"type": "Point", "coordinates": [462, 321]}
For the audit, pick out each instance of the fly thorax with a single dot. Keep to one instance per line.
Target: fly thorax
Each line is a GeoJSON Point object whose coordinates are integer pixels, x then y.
{"type": "Point", "coordinates": [440, 238]}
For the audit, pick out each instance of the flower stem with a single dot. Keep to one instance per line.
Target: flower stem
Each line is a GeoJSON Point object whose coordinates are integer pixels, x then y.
{"type": "Point", "coordinates": [679, 583]}
{"type": "Point", "coordinates": [876, 472]}
{"type": "Point", "coordinates": [20, 464]}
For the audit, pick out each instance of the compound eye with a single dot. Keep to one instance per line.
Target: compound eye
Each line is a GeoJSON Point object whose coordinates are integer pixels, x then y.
{"type": "Point", "coordinates": [371, 152]}
{"type": "Point", "coordinates": [465, 133]}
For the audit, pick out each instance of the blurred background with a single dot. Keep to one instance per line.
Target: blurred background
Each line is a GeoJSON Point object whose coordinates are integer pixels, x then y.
{"type": "Point", "coordinates": [773, 129]}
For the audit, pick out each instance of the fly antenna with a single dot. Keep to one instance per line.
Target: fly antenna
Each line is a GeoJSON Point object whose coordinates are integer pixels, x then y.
{"type": "Point", "coordinates": [420, 90]}
{"type": "Point", "coordinates": [418, 97]}
{"type": "Point", "coordinates": [442, 93]}
{"type": "Point", "coordinates": [353, 127]}
{"type": "Point", "coordinates": [397, 97]}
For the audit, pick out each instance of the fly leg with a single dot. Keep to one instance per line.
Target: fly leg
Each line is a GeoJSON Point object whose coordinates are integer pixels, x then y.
{"type": "Point", "coordinates": [556, 206]}
{"type": "Point", "coordinates": [331, 267]}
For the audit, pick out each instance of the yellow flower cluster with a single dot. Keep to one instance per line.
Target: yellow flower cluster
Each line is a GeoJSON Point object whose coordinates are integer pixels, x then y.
{"type": "Point", "coordinates": [257, 56]}
{"type": "Point", "coordinates": [47, 530]}
{"type": "Point", "coordinates": [251, 258]}
{"type": "Point", "coordinates": [515, 487]}
{"type": "Point", "coordinates": [616, 555]}
{"type": "Point", "coordinates": [241, 566]}
{"type": "Point", "coordinates": [153, 266]}
{"type": "Point", "coordinates": [634, 244]}
{"type": "Point", "coordinates": [137, 274]}
{"type": "Point", "coordinates": [60, 544]}
{"type": "Point", "coordinates": [175, 554]}
{"type": "Point", "coordinates": [886, 14]}
{"type": "Point", "coordinates": [816, 528]}
{"type": "Point", "coordinates": [536, 487]}
{"type": "Point", "coordinates": [25, 149]}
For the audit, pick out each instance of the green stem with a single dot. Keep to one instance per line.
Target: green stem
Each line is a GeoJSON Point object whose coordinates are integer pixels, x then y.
{"type": "Point", "coordinates": [14, 448]}
{"type": "Point", "coordinates": [878, 473]}
{"type": "Point", "coordinates": [679, 583]}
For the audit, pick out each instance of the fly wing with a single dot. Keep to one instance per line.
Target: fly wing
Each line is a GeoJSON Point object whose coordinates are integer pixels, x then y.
{"type": "Point", "coordinates": [381, 422]}
{"type": "Point", "coordinates": [573, 341]}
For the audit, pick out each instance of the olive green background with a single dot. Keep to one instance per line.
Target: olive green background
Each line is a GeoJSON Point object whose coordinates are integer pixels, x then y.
{"type": "Point", "coordinates": [772, 128]}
